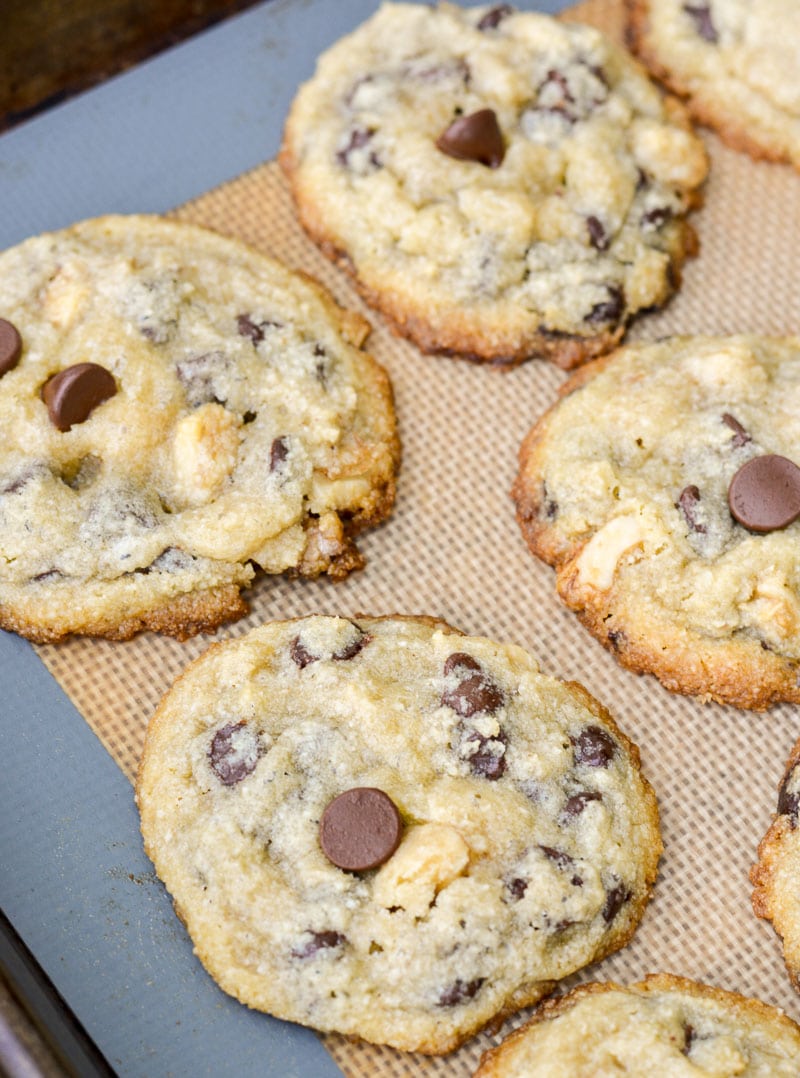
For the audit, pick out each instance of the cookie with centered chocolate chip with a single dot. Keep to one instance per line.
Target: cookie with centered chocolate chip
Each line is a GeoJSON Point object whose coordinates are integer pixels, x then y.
{"type": "Point", "coordinates": [500, 185]}
{"type": "Point", "coordinates": [735, 62]}
{"type": "Point", "coordinates": [664, 1025]}
{"type": "Point", "coordinates": [665, 489]}
{"type": "Point", "coordinates": [177, 411]}
{"type": "Point", "coordinates": [388, 829]}
{"type": "Point", "coordinates": [776, 874]}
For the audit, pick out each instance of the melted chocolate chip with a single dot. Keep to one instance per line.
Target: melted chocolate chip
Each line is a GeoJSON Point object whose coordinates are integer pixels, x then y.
{"type": "Point", "coordinates": [494, 16]}
{"type": "Point", "coordinates": [300, 654]}
{"type": "Point", "coordinates": [458, 661]}
{"type": "Point", "coordinates": [594, 747]}
{"type": "Point", "coordinates": [360, 829]}
{"type": "Point", "coordinates": [554, 94]}
{"type": "Point", "coordinates": [10, 346]}
{"type": "Point", "coordinates": [460, 991]}
{"type": "Point", "coordinates": [349, 651]}
{"type": "Point", "coordinates": [615, 900]}
{"type": "Point", "coordinates": [233, 753]}
{"type": "Point", "coordinates": [609, 310]}
{"type": "Point", "coordinates": [254, 330]}
{"type": "Point", "coordinates": [789, 801]}
{"type": "Point", "coordinates": [320, 941]}
{"type": "Point", "coordinates": [597, 234]}
{"type": "Point", "coordinates": [73, 394]}
{"type": "Point", "coordinates": [575, 804]}
{"type": "Point", "coordinates": [657, 217]}
{"type": "Point", "coordinates": [516, 887]}
{"type": "Point", "coordinates": [704, 24]}
{"type": "Point", "coordinates": [279, 451]}
{"type": "Point", "coordinates": [688, 501]}
{"type": "Point", "coordinates": [476, 137]}
{"type": "Point", "coordinates": [489, 762]}
{"type": "Point", "coordinates": [359, 137]}
{"type": "Point", "coordinates": [558, 857]}
{"type": "Point", "coordinates": [740, 435]}
{"type": "Point", "coordinates": [475, 693]}
{"type": "Point", "coordinates": [764, 495]}
{"type": "Point", "coordinates": [689, 1036]}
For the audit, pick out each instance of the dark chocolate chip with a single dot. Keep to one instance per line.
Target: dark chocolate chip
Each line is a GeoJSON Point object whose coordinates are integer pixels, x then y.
{"type": "Point", "coordinates": [516, 887]}
{"type": "Point", "coordinates": [359, 137]}
{"type": "Point", "coordinates": [594, 747]}
{"type": "Point", "coordinates": [740, 435]}
{"type": "Point", "coordinates": [360, 829]}
{"type": "Point", "coordinates": [460, 991]}
{"type": "Point", "coordinates": [475, 694]}
{"type": "Point", "coordinates": [10, 346]}
{"type": "Point", "coordinates": [616, 898]}
{"type": "Point", "coordinates": [320, 941]}
{"type": "Point", "coordinates": [764, 495]}
{"type": "Point", "coordinates": [489, 762]}
{"type": "Point", "coordinates": [301, 655]}
{"type": "Point", "coordinates": [554, 94]}
{"type": "Point", "coordinates": [558, 857]}
{"type": "Point", "coordinates": [494, 16]}
{"type": "Point", "coordinates": [233, 753]}
{"type": "Point", "coordinates": [704, 24]}
{"type": "Point", "coordinates": [657, 217]}
{"type": "Point", "coordinates": [476, 137]}
{"type": "Point", "coordinates": [349, 651]}
{"type": "Point", "coordinates": [789, 801]}
{"type": "Point", "coordinates": [688, 501]}
{"type": "Point", "coordinates": [689, 1037]}
{"type": "Point", "coordinates": [597, 234]}
{"type": "Point", "coordinates": [73, 394]}
{"type": "Point", "coordinates": [279, 451]}
{"type": "Point", "coordinates": [459, 660]}
{"type": "Point", "coordinates": [575, 804]}
{"type": "Point", "coordinates": [609, 310]}
{"type": "Point", "coordinates": [254, 330]}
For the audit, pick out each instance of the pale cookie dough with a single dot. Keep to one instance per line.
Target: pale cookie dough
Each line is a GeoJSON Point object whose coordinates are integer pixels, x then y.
{"type": "Point", "coordinates": [222, 419]}
{"type": "Point", "coordinates": [528, 837]}
{"type": "Point", "coordinates": [776, 875]}
{"type": "Point", "coordinates": [569, 221]}
{"type": "Point", "coordinates": [662, 1027]}
{"type": "Point", "coordinates": [623, 487]}
{"type": "Point", "coordinates": [736, 63]}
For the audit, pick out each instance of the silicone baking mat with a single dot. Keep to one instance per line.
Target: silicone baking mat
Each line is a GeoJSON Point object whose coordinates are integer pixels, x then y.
{"type": "Point", "coordinates": [452, 549]}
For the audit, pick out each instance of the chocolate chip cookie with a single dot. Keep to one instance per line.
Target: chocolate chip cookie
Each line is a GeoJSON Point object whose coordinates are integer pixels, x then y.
{"type": "Point", "coordinates": [499, 184]}
{"type": "Point", "coordinates": [776, 875]}
{"type": "Point", "coordinates": [735, 62]}
{"type": "Point", "coordinates": [177, 411]}
{"type": "Point", "coordinates": [664, 1026]}
{"type": "Point", "coordinates": [664, 487]}
{"type": "Point", "coordinates": [383, 827]}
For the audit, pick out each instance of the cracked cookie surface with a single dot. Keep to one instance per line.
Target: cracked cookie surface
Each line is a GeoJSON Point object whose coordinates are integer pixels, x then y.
{"type": "Point", "coordinates": [734, 61]}
{"type": "Point", "coordinates": [664, 1025]}
{"type": "Point", "coordinates": [176, 411]}
{"type": "Point", "coordinates": [623, 488]}
{"type": "Point", "coordinates": [500, 185]}
{"type": "Point", "coordinates": [528, 845]}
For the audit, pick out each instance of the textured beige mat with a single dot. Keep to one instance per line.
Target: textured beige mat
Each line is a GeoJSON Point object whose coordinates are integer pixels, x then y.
{"type": "Point", "coordinates": [453, 549]}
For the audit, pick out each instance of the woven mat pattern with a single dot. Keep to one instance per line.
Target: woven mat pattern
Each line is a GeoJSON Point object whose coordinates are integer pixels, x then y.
{"type": "Point", "coordinates": [453, 549]}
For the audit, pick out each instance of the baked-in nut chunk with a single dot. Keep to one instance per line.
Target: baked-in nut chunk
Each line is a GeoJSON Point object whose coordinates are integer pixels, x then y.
{"type": "Point", "coordinates": [501, 185]}
{"type": "Point", "coordinates": [734, 62]}
{"type": "Point", "coordinates": [177, 410]}
{"type": "Point", "coordinates": [382, 827]}
{"type": "Point", "coordinates": [664, 1026]}
{"type": "Point", "coordinates": [646, 487]}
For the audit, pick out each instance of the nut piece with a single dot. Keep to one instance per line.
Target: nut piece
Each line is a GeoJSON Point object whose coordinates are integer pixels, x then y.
{"type": "Point", "coordinates": [430, 857]}
{"type": "Point", "coordinates": [66, 295]}
{"type": "Point", "coordinates": [205, 451]}
{"type": "Point", "coordinates": [598, 560]}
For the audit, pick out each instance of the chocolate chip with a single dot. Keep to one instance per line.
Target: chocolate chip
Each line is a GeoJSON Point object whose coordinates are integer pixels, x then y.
{"type": "Point", "coordinates": [597, 234]}
{"type": "Point", "coordinates": [279, 451]}
{"type": "Point", "coordinates": [473, 694]}
{"type": "Point", "coordinates": [689, 1036]}
{"type": "Point", "coordinates": [575, 804]}
{"type": "Point", "coordinates": [494, 16]}
{"type": "Point", "coordinates": [554, 94]}
{"type": "Point", "coordinates": [10, 346]}
{"type": "Point", "coordinates": [594, 747]}
{"type": "Point", "coordinates": [73, 394]}
{"type": "Point", "coordinates": [517, 886]}
{"type": "Point", "coordinates": [656, 218]}
{"type": "Point", "coordinates": [460, 991]}
{"type": "Point", "coordinates": [558, 857]}
{"type": "Point", "coordinates": [459, 660]}
{"type": "Point", "coordinates": [246, 327]}
{"type": "Point", "coordinates": [300, 654]}
{"type": "Point", "coordinates": [764, 495]}
{"type": "Point", "coordinates": [489, 762]}
{"type": "Point", "coordinates": [789, 801]}
{"type": "Point", "coordinates": [47, 576]}
{"type": "Point", "coordinates": [609, 310]}
{"type": "Point", "coordinates": [360, 829]}
{"type": "Point", "coordinates": [476, 137]}
{"type": "Point", "coordinates": [359, 137]}
{"type": "Point", "coordinates": [688, 501]}
{"type": "Point", "coordinates": [320, 941]}
{"type": "Point", "coordinates": [233, 753]}
{"type": "Point", "coordinates": [704, 24]}
{"type": "Point", "coordinates": [615, 900]}
{"type": "Point", "coordinates": [349, 651]}
{"type": "Point", "coordinates": [740, 435]}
